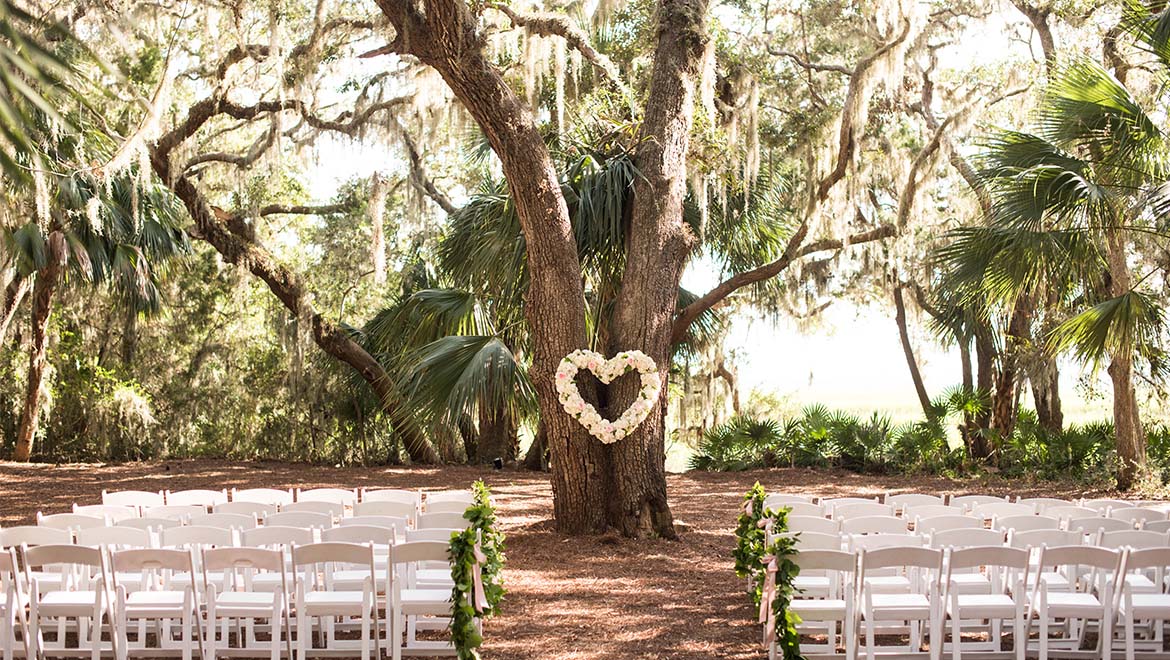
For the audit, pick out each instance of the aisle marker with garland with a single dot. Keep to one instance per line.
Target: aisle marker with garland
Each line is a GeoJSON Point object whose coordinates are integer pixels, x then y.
{"type": "Point", "coordinates": [477, 569]}
{"type": "Point", "coordinates": [769, 569]}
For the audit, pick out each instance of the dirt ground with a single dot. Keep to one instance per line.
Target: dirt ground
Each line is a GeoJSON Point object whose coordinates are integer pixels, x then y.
{"type": "Point", "coordinates": [568, 598]}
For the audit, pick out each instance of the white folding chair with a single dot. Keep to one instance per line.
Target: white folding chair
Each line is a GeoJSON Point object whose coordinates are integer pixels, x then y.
{"type": "Point", "coordinates": [193, 540]}
{"type": "Point", "coordinates": [1151, 609]}
{"type": "Point", "coordinates": [386, 508]}
{"type": "Point", "coordinates": [448, 506]}
{"type": "Point", "coordinates": [1088, 598]}
{"type": "Point", "coordinates": [817, 541]}
{"type": "Point", "coordinates": [1026, 523]}
{"type": "Point", "coordinates": [28, 535]}
{"type": "Point", "coordinates": [1132, 539]}
{"type": "Point", "coordinates": [139, 499]}
{"type": "Point", "coordinates": [332, 509]}
{"type": "Point", "coordinates": [160, 609]}
{"type": "Point", "coordinates": [993, 510]}
{"type": "Point", "coordinates": [834, 502]}
{"type": "Point", "coordinates": [120, 538]}
{"type": "Point", "coordinates": [794, 508]}
{"type": "Point", "coordinates": [196, 497]}
{"type": "Point", "coordinates": [902, 501]}
{"type": "Point", "coordinates": [861, 510]}
{"type": "Point", "coordinates": [921, 568]}
{"type": "Point", "coordinates": [1095, 526]}
{"type": "Point", "coordinates": [380, 537]}
{"type": "Point", "coordinates": [1005, 571]}
{"type": "Point", "coordinates": [1104, 505]}
{"type": "Point", "coordinates": [275, 536]}
{"type": "Point", "coordinates": [442, 520]}
{"type": "Point", "coordinates": [343, 496]}
{"type": "Point", "coordinates": [13, 601]}
{"type": "Point", "coordinates": [821, 615]}
{"type": "Point", "coordinates": [254, 509]}
{"type": "Point", "coordinates": [966, 538]}
{"type": "Point", "coordinates": [241, 599]}
{"type": "Point", "coordinates": [269, 496]}
{"type": "Point", "coordinates": [433, 534]}
{"type": "Point", "coordinates": [783, 499]}
{"type": "Point", "coordinates": [317, 598]}
{"type": "Point", "coordinates": [1137, 515]}
{"type": "Point", "coordinates": [874, 525]}
{"type": "Point", "coordinates": [1072, 512]}
{"type": "Point", "coordinates": [236, 521]}
{"type": "Point", "coordinates": [1160, 526]}
{"type": "Point", "coordinates": [412, 497]}
{"type": "Point", "coordinates": [304, 519]}
{"type": "Point", "coordinates": [410, 603]}
{"type": "Point", "coordinates": [181, 512]}
{"type": "Point", "coordinates": [944, 523]}
{"type": "Point", "coordinates": [150, 524]}
{"type": "Point", "coordinates": [1034, 541]}
{"type": "Point", "coordinates": [969, 501]}
{"type": "Point", "coordinates": [814, 524]}
{"type": "Point", "coordinates": [74, 603]}
{"type": "Point", "coordinates": [399, 525]}
{"type": "Point", "coordinates": [432, 497]}
{"type": "Point", "coordinates": [1042, 504]}
{"type": "Point", "coordinates": [113, 512]}
{"type": "Point", "coordinates": [70, 521]}
{"type": "Point", "coordinates": [911, 512]}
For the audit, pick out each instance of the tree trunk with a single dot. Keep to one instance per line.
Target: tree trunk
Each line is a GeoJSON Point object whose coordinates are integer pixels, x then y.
{"type": "Point", "coordinates": [908, 350]}
{"type": "Point", "coordinates": [42, 306]}
{"type": "Point", "coordinates": [497, 436]}
{"type": "Point", "coordinates": [1003, 408]}
{"type": "Point", "coordinates": [1046, 395]}
{"type": "Point", "coordinates": [1127, 422]}
{"type": "Point", "coordinates": [984, 381]}
{"type": "Point", "coordinates": [129, 335]}
{"type": "Point", "coordinates": [967, 430]}
{"type": "Point", "coordinates": [535, 458]}
{"type": "Point", "coordinates": [14, 294]}
{"type": "Point", "coordinates": [732, 381]}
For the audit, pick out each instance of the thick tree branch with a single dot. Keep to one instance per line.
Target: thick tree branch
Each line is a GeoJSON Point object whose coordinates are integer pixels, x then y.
{"type": "Point", "coordinates": [1038, 17]}
{"type": "Point", "coordinates": [418, 175]}
{"type": "Point", "coordinates": [813, 66]}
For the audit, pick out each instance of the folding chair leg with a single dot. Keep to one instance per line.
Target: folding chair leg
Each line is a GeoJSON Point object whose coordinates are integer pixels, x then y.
{"type": "Point", "coordinates": [869, 649]}
{"type": "Point", "coordinates": [955, 640]}
{"type": "Point", "coordinates": [365, 636]}
{"type": "Point", "coordinates": [936, 637]}
{"type": "Point", "coordinates": [1044, 636]}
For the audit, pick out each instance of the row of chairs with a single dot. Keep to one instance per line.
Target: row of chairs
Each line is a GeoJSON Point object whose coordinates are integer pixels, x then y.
{"type": "Point", "coordinates": [894, 525]}
{"type": "Point", "coordinates": [203, 598]}
{"type": "Point", "coordinates": [964, 501]}
{"type": "Point", "coordinates": [979, 593]}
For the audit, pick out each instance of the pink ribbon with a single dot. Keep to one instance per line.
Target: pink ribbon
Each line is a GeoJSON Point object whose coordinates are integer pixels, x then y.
{"type": "Point", "coordinates": [767, 614]}
{"type": "Point", "coordinates": [765, 524]}
{"type": "Point", "coordinates": [747, 508]}
{"type": "Point", "coordinates": [478, 595]}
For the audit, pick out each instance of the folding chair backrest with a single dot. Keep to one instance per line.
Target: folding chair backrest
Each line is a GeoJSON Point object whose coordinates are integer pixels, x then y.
{"type": "Point", "coordinates": [797, 508]}
{"type": "Point", "coordinates": [817, 541]}
{"type": "Point", "coordinates": [449, 506]}
{"type": "Point", "coordinates": [342, 496]}
{"type": "Point", "coordinates": [308, 557]}
{"type": "Point", "coordinates": [966, 538]}
{"type": "Point", "coordinates": [150, 523]}
{"type": "Point", "coordinates": [912, 511]}
{"type": "Point", "coordinates": [135, 498]}
{"type": "Point", "coordinates": [189, 537]}
{"type": "Point", "coordinates": [1157, 526]}
{"type": "Point", "coordinates": [1132, 538]}
{"type": "Point", "coordinates": [399, 495]}
{"type": "Point", "coordinates": [156, 564]}
{"type": "Point", "coordinates": [1072, 512]}
{"type": "Point", "coordinates": [224, 520]}
{"type": "Point", "coordinates": [1145, 558]}
{"type": "Point", "coordinates": [400, 524]}
{"type": "Point", "coordinates": [968, 501]}
{"type": "Point", "coordinates": [437, 534]}
{"type": "Point", "coordinates": [220, 559]}
{"type": "Point", "coordinates": [359, 534]}
{"type": "Point", "coordinates": [442, 520]}
{"type": "Point", "coordinates": [1044, 537]}
{"type": "Point", "coordinates": [331, 509]}
{"type": "Point", "coordinates": [834, 502]}
{"type": "Point", "coordinates": [175, 511]}
{"type": "Point", "coordinates": [196, 497]}
{"type": "Point", "coordinates": [784, 499]}
{"type": "Point", "coordinates": [1041, 504]}
{"type": "Point", "coordinates": [813, 524]}
{"type": "Point", "coordinates": [1137, 514]}
{"type": "Point", "coordinates": [53, 554]}
{"type": "Point", "coordinates": [908, 500]}
{"type": "Point", "coordinates": [879, 541]}
{"type": "Point", "coordinates": [826, 560]}
{"type": "Point", "coordinates": [1101, 564]}
{"type": "Point", "coordinates": [464, 496]}
{"type": "Point", "coordinates": [11, 537]}
{"type": "Point", "coordinates": [70, 521]}
{"type": "Point", "coordinates": [116, 537]}
{"type": "Point", "coordinates": [874, 525]}
{"type": "Point", "coordinates": [861, 509]}
{"type": "Point", "coordinates": [1104, 505]}
{"type": "Point", "coordinates": [384, 508]}
{"type": "Point", "coordinates": [112, 512]}
{"type": "Point", "coordinates": [929, 559]}
{"type": "Point", "coordinates": [1097, 525]}
{"type": "Point", "coordinates": [275, 535]}
{"type": "Point", "coordinates": [1002, 509]}
{"type": "Point", "coordinates": [1004, 567]}
{"type": "Point", "coordinates": [269, 496]}
{"type": "Point", "coordinates": [1025, 523]}
{"type": "Point", "coordinates": [944, 523]}
{"type": "Point", "coordinates": [304, 519]}
{"type": "Point", "coordinates": [254, 509]}
{"type": "Point", "coordinates": [419, 551]}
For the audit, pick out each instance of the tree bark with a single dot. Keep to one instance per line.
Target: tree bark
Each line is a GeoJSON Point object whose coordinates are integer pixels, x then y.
{"type": "Point", "coordinates": [1046, 395]}
{"type": "Point", "coordinates": [497, 436]}
{"type": "Point", "coordinates": [908, 350]}
{"type": "Point", "coordinates": [980, 448]}
{"type": "Point", "coordinates": [967, 429]}
{"type": "Point", "coordinates": [42, 306]}
{"type": "Point", "coordinates": [732, 381]}
{"type": "Point", "coordinates": [535, 458]}
{"type": "Point", "coordinates": [1003, 407]}
{"type": "Point", "coordinates": [1127, 422]}
{"type": "Point", "coordinates": [14, 294]}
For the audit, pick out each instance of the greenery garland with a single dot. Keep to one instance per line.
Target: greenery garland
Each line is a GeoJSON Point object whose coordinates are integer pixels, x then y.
{"type": "Point", "coordinates": [465, 636]}
{"type": "Point", "coordinates": [752, 555]}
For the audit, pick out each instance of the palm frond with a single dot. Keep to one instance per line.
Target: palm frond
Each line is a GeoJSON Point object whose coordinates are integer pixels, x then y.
{"type": "Point", "coordinates": [458, 375]}
{"type": "Point", "coordinates": [1126, 325]}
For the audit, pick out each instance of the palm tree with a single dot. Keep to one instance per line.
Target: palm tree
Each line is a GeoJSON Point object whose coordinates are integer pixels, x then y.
{"type": "Point", "coordinates": [116, 234]}
{"type": "Point", "coordinates": [1070, 197]}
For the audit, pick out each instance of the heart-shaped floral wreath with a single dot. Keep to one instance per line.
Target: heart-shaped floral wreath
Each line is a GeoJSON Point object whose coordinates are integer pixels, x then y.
{"type": "Point", "coordinates": [606, 371]}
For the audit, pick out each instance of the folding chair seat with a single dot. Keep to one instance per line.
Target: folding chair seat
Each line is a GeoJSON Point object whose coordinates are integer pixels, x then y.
{"type": "Point", "coordinates": [316, 597]}
{"type": "Point", "coordinates": [813, 524]}
{"type": "Point", "coordinates": [412, 497]}
{"type": "Point", "coordinates": [1087, 598]}
{"type": "Point", "coordinates": [13, 601]}
{"type": "Point", "coordinates": [181, 512]}
{"type": "Point", "coordinates": [76, 602]}
{"type": "Point", "coordinates": [139, 499]}
{"type": "Point", "coordinates": [334, 510]}
{"type": "Point", "coordinates": [1151, 609]}
{"type": "Point", "coordinates": [256, 510]}
{"type": "Point", "coordinates": [833, 613]}
{"type": "Point", "coordinates": [409, 603]}
{"type": "Point", "coordinates": [1005, 570]}
{"type": "Point", "coordinates": [861, 510]}
{"type": "Point", "coordinates": [305, 519]}
{"type": "Point", "coordinates": [379, 508]}
{"type": "Point", "coordinates": [240, 600]}
{"type": "Point", "coordinates": [197, 497]}
{"type": "Point", "coordinates": [943, 523]}
{"type": "Point", "coordinates": [434, 574]}
{"type": "Point", "coordinates": [168, 613]}
{"type": "Point", "coordinates": [1137, 515]}
{"type": "Point", "coordinates": [921, 567]}
{"type": "Point", "coordinates": [969, 501]}
{"type": "Point", "coordinates": [70, 521]}
{"type": "Point", "coordinates": [269, 496]}
{"type": "Point", "coordinates": [236, 521]}
{"type": "Point", "coordinates": [442, 521]}
{"type": "Point", "coordinates": [1026, 523]}
{"type": "Point", "coordinates": [114, 513]}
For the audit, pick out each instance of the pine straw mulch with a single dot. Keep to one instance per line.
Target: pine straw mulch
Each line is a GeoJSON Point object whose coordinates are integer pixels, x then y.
{"type": "Point", "coordinates": [570, 598]}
